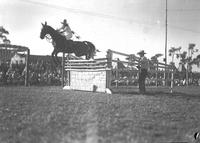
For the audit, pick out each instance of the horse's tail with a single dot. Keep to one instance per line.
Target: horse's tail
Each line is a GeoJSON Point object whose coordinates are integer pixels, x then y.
{"type": "Point", "coordinates": [92, 50]}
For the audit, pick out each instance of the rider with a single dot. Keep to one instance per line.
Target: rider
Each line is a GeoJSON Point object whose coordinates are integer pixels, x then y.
{"type": "Point", "coordinates": [66, 31]}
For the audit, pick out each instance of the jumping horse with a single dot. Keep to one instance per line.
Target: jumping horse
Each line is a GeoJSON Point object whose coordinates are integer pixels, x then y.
{"type": "Point", "coordinates": [61, 44]}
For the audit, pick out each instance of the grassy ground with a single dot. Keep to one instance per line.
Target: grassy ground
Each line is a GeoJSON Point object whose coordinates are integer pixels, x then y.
{"type": "Point", "coordinates": [53, 115]}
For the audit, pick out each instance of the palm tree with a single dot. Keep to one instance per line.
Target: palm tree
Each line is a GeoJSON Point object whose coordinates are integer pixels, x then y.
{"type": "Point", "coordinates": [174, 51]}
{"type": "Point", "coordinates": [3, 38]}
{"type": "Point", "coordinates": [196, 61]}
{"type": "Point", "coordinates": [186, 59]}
{"type": "Point", "coordinates": [191, 51]}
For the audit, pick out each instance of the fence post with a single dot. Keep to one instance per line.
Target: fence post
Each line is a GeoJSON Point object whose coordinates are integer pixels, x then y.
{"type": "Point", "coordinates": [27, 68]}
{"type": "Point", "coordinates": [172, 79]}
{"type": "Point", "coordinates": [109, 71]}
{"type": "Point", "coordinates": [63, 70]}
{"type": "Point", "coordinates": [117, 73]}
{"type": "Point", "coordinates": [157, 74]}
{"type": "Point", "coordinates": [68, 72]}
{"type": "Point", "coordinates": [187, 75]}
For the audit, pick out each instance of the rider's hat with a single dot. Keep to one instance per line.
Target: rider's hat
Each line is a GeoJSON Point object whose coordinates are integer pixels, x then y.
{"type": "Point", "coordinates": [141, 52]}
{"type": "Point", "coordinates": [64, 21]}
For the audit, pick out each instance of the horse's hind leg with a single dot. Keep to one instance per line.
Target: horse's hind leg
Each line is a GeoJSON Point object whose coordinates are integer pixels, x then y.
{"type": "Point", "coordinates": [90, 56]}
{"type": "Point", "coordinates": [91, 53]}
{"type": "Point", "coordinates": [87, 57]}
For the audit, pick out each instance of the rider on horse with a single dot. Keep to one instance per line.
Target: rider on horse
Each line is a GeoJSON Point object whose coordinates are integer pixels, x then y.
{"type": "Point", "coordinates": [61, 44]}
{"type": "Point", "coordinates": [66, 31]}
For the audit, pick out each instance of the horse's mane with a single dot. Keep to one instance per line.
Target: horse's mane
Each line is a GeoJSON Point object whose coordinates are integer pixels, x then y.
{"type": "Point", "coordinates": [51, 29]}
{"type": "Point", "coordinates": [58, 35]}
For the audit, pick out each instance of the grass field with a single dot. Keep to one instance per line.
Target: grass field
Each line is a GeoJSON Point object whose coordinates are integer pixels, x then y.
{"type": "Point", "coordinates": [53, 115]}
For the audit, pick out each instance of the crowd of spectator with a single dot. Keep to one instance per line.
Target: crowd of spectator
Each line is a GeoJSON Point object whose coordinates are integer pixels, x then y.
{"type": "Point", "coordinates": [40, 73]}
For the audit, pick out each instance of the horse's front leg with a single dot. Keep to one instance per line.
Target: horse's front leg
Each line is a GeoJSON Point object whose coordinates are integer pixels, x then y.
{"type": "Point", "coordinates": [53, 57]}
{"type": "Point", "coordinates": [57, 59]}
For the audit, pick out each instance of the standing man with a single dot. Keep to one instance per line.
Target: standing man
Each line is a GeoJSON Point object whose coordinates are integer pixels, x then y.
{"type": "Point", "coordinates": [143, 68]}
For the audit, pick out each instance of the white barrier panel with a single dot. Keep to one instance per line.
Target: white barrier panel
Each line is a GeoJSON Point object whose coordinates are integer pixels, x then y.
{"type": "Point", "coordinates": [88, 81]}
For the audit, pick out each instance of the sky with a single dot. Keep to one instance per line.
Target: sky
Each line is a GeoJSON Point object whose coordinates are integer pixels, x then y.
{"type": "Point", "coordinates": [126, 26]}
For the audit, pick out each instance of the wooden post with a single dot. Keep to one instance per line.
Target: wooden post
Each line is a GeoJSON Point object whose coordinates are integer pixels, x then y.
{"type": "Point", "coordinates": [172, 79]}
{"type": "Point", "coordinates": [27, 68]}
{"type": "Point", "coordinates": [157, 74]}
{"type": "Point", "coordinates": [63, 70]}
{"type": "Point", "coordinates": [117, 74]}
{"type": "Point", "coordinates": [68, 72]}
{"type": "Point", "coordinates": [109, 71]}
{"type": "Point", "coordinates": [109, 58]}
{"type": "Point", "coordinates": [187, 68]}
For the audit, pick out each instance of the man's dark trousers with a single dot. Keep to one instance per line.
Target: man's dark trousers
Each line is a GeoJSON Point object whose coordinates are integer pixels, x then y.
{"type": "Point", "coordinates": [142, 77]}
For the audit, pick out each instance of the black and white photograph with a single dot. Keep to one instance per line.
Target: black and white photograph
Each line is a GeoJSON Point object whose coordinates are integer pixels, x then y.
{"type": "Point", "coordinates": [100, 71]}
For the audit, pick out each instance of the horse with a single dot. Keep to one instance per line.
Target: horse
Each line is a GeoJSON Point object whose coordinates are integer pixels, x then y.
{"type": "Point", "coordinates": [61, 44]}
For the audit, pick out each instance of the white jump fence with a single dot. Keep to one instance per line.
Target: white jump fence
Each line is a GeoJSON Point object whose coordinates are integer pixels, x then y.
{"type": "Point", "coordinates": [112, 74]}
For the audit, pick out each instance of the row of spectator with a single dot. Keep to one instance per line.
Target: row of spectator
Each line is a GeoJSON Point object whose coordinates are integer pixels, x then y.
{"type": "Point", "coordinates": [40, 73]}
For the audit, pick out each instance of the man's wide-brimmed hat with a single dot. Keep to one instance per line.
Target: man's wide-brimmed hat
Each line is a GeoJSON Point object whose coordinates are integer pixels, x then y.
{"type": "Point", "coordinates": [141, 52]}
{"type": "Point", "coordinates": [64, 21]}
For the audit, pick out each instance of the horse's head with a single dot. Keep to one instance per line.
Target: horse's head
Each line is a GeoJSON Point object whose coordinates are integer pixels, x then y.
{"type": "Point", "coordinates": [44, 30]}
